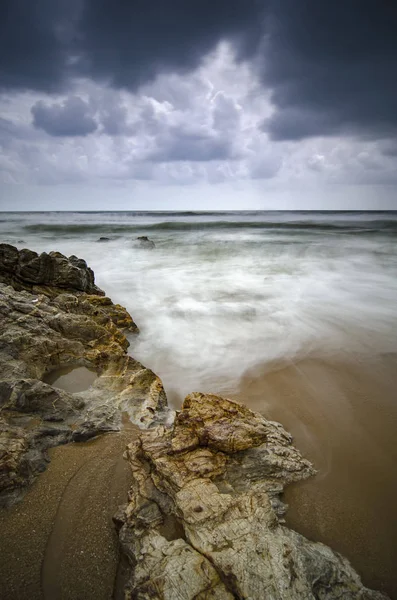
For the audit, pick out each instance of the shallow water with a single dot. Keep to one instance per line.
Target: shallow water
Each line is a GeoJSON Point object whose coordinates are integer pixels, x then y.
{"type": "Point", "coordinates": [71, 378]}
{"type": "Point", "coordinates": [294, 313]}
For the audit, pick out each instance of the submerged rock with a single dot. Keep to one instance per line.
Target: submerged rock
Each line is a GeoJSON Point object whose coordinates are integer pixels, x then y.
{"type": "Point", "coordinates": [49, 322]}
{"type": "Point", "coordinates": [144, 242]}
{"type": "Point", "coordinates": [219, 472]}
{"type": "Point", "coordinates": [103, 239]}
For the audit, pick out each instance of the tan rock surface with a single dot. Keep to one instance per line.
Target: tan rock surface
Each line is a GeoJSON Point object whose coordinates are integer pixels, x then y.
{"type": "Point", "coordinates": [218, 474]}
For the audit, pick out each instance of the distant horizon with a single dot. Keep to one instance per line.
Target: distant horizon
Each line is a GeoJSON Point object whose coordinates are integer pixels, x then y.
{"type": "Point", "coordinates": [207, 212]}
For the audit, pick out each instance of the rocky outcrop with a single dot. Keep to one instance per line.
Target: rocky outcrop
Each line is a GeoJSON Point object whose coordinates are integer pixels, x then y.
{"type": "Point", "coordinates": [53, 315]}
{"type": "Point", "coordinates": [25, 269]}
{"type": "Point", "coordinates": [205, 519]}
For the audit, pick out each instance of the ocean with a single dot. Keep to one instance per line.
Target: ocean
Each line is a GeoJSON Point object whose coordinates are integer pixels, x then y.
{"type": "Point", "coordinates": [223, 293]}
{"type": "Point", "coordinates": [292, 313]}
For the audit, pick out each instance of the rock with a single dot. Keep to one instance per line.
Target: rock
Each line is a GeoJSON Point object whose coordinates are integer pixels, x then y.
{"type": "Point", "coordinates": [57, 326]}
{"type": "Point", "coordinates": [219, 472]}
{"type": "Point", "coordinates": [45, 273]}
{"type": "Point", "coordinates": [14, 467]}
{"type": "Point", "coordinates": [103, 239]}
{"type": "Point", "coordinates": [144, 242]}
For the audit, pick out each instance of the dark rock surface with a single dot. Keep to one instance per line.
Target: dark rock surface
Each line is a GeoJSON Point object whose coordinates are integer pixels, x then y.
{"type": "Point", "coordinates": [25, 269]}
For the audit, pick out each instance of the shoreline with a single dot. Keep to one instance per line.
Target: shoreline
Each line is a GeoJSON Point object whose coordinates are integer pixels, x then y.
{"type": "Point", "coordinates": [343, 417]}
{"type": "Point", "coordinates": [216, 473]}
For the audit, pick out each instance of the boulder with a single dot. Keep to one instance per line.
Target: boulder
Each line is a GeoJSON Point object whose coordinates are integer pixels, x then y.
{"type": "Point", "coordinates": [218, 474]}
{"type": "Point", "coordinates": [47, 273]}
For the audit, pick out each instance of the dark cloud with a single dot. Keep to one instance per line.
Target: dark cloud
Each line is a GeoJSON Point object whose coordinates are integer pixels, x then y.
{"type": "Point", "coordinates": [127, 43]}
{"type": "Point", "coordinates": [298, 122]}
{"type": "Point", "coordinates": [36, 40]}
{"type": "Point", "coordinates": [332, 67]}
{"type": "Point", "coordinates": [123, 42]}
{"type": "Point", "coordinates": [70, 118]}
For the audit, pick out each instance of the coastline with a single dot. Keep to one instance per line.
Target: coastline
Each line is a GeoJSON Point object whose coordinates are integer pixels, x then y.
{"type": "Point", "coordinates": [234, 462]}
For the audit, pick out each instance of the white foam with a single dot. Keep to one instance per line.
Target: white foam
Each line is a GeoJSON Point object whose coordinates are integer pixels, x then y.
{"type": "Point", "coordinates": [211, 305]}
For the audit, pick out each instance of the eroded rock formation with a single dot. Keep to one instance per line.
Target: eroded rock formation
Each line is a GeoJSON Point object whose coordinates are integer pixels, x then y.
{"type": "Point", "coordinates": [205, 519]}
{"type": "Point", "coordinates": [45, 273]}
{"type": "Point", "coordinates": [53, 315]}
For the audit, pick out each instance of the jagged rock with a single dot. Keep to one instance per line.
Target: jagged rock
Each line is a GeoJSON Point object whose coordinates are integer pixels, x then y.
{"type": "Point", "coordinates": [25, 269]}
{"type": "Point", "coordinates": [59, 327]}
{"type": "Point", "coordinates": [219, 472]}
{"type": "Point", "coordinates": [144, 242]}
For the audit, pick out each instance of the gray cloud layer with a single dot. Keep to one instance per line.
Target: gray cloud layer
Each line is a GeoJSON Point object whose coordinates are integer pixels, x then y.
{"type": "Point", "coordinates": [70, 118]}
{"type": "Point", "coordinates": [330, 66]}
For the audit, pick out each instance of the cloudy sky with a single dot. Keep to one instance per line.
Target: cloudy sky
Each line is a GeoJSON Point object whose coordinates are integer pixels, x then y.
{"type": "Point", "coordinates": [198, 104]}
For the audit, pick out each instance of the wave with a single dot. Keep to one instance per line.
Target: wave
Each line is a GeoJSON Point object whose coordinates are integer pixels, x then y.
{"type": "Point", "coordinates": [361, 227]}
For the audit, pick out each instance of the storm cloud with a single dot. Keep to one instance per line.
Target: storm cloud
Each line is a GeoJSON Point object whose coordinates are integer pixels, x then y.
{"type": "Point", "coordinates": [122, 42]}
{"type": "Point", "coordinates": [36, 43]}
{"type": "Point", "coordinates": [330, 66]}
{"type": "Point", "coordinates": [292, 96]}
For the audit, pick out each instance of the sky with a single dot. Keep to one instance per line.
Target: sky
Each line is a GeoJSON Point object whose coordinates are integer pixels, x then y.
{"type": "Point", "coordinates": [211, 104]}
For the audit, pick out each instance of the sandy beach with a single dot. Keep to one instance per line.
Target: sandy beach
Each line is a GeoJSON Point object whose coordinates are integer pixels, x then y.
{"type": "Point", "coordinates": [60, 543]}
{"type": "Point", "coordinates": [343, 416]}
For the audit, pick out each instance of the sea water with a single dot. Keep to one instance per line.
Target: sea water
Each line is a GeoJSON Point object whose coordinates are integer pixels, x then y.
{"type": "Point", "coordinates": [224, 293]}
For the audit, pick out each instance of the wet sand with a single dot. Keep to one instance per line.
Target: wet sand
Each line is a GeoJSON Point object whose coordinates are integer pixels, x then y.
{"type": "Point", "coordinates": [343, 416]}
{"type": "Point", "coordinates": [60, 543]}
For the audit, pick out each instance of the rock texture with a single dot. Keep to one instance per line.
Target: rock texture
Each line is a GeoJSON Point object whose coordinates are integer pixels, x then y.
{"type": "Point", "coordinates": [53, 315]}
{"type": "Point", "coordinates": [27, 270]}
{"type": "Point", "coordinates": [205, 519]}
